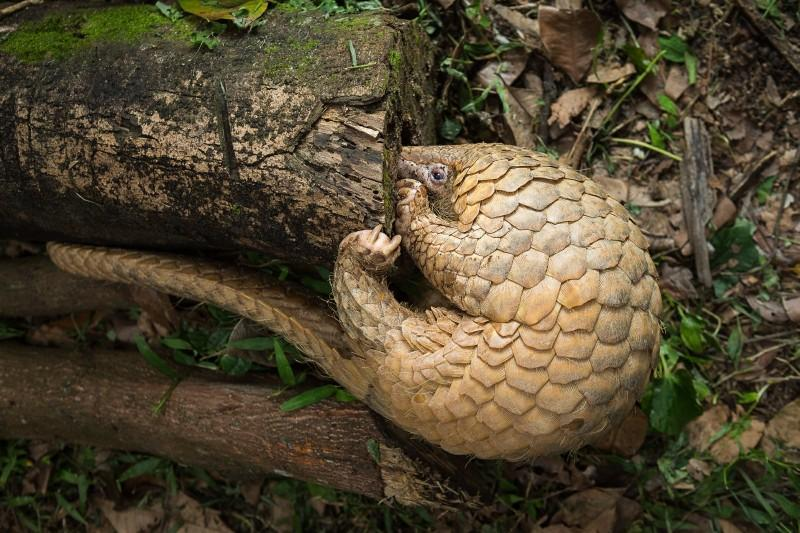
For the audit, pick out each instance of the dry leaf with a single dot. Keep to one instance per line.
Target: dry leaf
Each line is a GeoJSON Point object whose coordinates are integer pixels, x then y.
{"type": "Point", "coordinates": [678, 282]}
{"type": "Point", "coordinates": [509, 69]}
{"type": "Point", "coordinates": [568, 38]}
{"type": "Point", "coordinates": [653, 85]}
{"type": "Point", "coordinates": [703, 429]}
{"type": "Point", "coordinates": [727, 449]}
{"type": "Point", "coordinates": [783, 432]}
{"type": "Point", "coordinates": [133, 520]}
{"type": "Point", "coordinates": [527, 26]}
{"type": "Point", "coordinates": [157, 305]}
{"type": "Point", "coordinates": [598, 510]}
{"type": "Point", "coordinates": [769, 311]}
{"type": "Point", "coordinates": [251, 491]}
{"type": "Point", "coordinates": [792, 308]}
{"type": "Point", "coordinates": [724, 212]}
{"type": "Point", "coordinates": [615, 187]}
{"type": "Point", "coordinates": [523, 116]}
{"type": "Point", "coordinates": [645, 12]}
{"type": "Point", "coordinates": [698, 469]}
{"type": "Point", "coordinates": [610, 74]}
{"type": "Point", "coordinates": [194, 517]}
{"type": "Point", "coordinates": [628, 437]}
{"type": "Point", "coordinates": [726, 526]}
{"type": "Point", "coordinates": [677, 82]}
{"type": "Point", "coordinates": [570, 104]}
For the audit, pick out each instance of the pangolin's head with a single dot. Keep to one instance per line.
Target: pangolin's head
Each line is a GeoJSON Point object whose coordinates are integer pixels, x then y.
{"type": "Point", "coordinates": [465, 180]}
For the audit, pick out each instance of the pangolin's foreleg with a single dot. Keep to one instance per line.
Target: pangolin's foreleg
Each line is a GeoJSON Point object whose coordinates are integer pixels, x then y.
{"type": "Point", "coordinates": [445, 255]}
{"type": "Point", "coordinates": [367, 309]}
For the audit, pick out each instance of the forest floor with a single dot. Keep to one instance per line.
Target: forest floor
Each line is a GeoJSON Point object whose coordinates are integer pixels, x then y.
{"type": "Point", "coordinates": [607, 87]}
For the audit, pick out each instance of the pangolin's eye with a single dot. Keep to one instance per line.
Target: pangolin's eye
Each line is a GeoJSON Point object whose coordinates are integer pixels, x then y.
{"type": "Point", "coordinates": [438, 175]}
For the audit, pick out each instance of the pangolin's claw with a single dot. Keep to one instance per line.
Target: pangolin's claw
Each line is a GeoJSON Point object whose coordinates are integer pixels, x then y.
{"type": "Point", "coordinates": [375, 250]}
{"type": "Point", "coordinates": [411, 198]}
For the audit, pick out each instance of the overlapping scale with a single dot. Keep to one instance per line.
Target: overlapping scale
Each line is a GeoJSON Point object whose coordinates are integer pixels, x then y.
{"type": "Point", "coordinates": [565, 306]}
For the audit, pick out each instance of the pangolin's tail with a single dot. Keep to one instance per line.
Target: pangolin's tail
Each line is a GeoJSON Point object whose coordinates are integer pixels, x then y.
{"type": "Point", "coordinates": [248, 293]}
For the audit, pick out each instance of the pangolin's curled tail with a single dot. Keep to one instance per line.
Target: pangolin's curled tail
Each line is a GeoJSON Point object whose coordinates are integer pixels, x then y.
{"type": "Point", "coordinates": [245, 292]}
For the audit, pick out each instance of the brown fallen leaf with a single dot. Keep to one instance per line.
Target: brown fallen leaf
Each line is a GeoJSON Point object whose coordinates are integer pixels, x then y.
{"type": "Point", "coordinates": [158, 307]}
{"type": "Point", "coordinates": [726, 449]}
{"type": "Point", "coordinates": [770, 311]}
{"type": "Point", "coordinates": [678, 282]}
{"type": "Point", "coordinates": [522, 117]}
{"type": "Point", "coordinates": [569, 37]}
{"type": "Point", "coordinates": [724, 212]}
{"type": "Point", "coordinates": [615, 187]}
{"type": "Point", "coordinates": [783, 433]}
{"type": "Point", "coordinates": [726, 526]}
{"type": "Point", "coordinates": [528, 26]}
{"type": "Point", "coordinates": [63, 331]}
{"type": "Point", "coordinates": [570, 104]}
{"type": "Point", "coordinates": [698, 469]}
{"type": "Point", "coordinates": [508, 69]}
{"type": "Point", "coordinates": [133, 520]}
{"type": "Point", "coordinates": [792, 308]}
{"type": "Point", "coordinates": [653, 85]}
{"type": "Point", "coordinates": [251, 491]}
{"type": "Point", "coordinates": [610, 73]}
{"type": "Point", "coordinates": [598, 510]}
{"type": "Point", "coordinates": [628, 437]}
{"type": "Point", "coordinates": [677, 82]}
{"type": "Point", "coordinates": [704, 427]}
{"type": "Point", "coordinates": [194, 517]}
{"type": "Point", "coordinates": [645, 12]}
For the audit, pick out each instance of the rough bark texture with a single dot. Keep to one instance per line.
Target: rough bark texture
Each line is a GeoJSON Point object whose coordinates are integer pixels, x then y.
{"type": "Point", "coordinates": [34, 286]}
{"type": "Point", "coordinates": [127, 134]}
{"type": "Point", "coordinates": [696, 169]}
{"type": "Point", "coordinates": [231, 426]}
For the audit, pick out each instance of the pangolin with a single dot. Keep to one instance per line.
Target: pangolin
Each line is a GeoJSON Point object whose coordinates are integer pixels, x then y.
{"type": "Point", "coordinates": [553, 327]}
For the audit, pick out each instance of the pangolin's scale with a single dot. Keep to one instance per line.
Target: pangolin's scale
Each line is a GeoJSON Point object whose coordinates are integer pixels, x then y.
{"type": "Point", "coordinates": [560, 329]}
{"type": "Point", "coordinates": [554, 330]}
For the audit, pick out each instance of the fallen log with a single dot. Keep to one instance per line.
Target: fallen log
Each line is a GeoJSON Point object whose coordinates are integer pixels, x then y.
{"type": "Point", "coordinates": [34, 286]}
{"type": "Point", "coordinates": [282, 140]}
{"type": "Point", "coordinates": [231, 426]}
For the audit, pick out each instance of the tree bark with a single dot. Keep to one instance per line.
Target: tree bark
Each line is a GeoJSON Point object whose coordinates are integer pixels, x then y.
{"type": "Point", "coordinates": [126, 134]}
{"type": "Point", "coordinates": [34, 286]}
{"type": "Point", "coordinates": [231, 426]}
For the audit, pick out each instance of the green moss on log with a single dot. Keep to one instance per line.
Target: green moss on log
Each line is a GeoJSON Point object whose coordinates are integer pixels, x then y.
{"type": "Point", "coordinates": [63, 35]}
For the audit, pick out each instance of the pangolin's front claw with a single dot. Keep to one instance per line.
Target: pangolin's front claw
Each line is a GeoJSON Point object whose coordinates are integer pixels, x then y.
{"type": "Point", "coordinates": [412, 198]}
{"type": "Point", "coordinates": [374, 249]}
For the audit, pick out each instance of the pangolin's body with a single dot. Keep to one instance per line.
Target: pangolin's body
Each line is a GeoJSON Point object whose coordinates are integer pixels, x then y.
{"type": "Point", "coordinates": [554, 328]}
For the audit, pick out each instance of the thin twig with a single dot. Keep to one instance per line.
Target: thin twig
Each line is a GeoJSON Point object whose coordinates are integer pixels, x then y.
{"type": "Point", "coordinates": [581, 141]}
{"type": "Point", "coordinates": [647, 146]}
{"type": "Point", "coordinates": [13, 8]}
{"type": "Point", "coordinates": [776, 230]}
{"type": "Point", "coordinates": [751, 178]}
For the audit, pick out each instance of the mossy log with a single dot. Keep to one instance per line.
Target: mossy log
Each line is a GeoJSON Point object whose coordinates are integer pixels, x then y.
{"type": "Point", "coordinates": [233, 427]}
{"type": "Point", "coordinates": [115, 129]}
